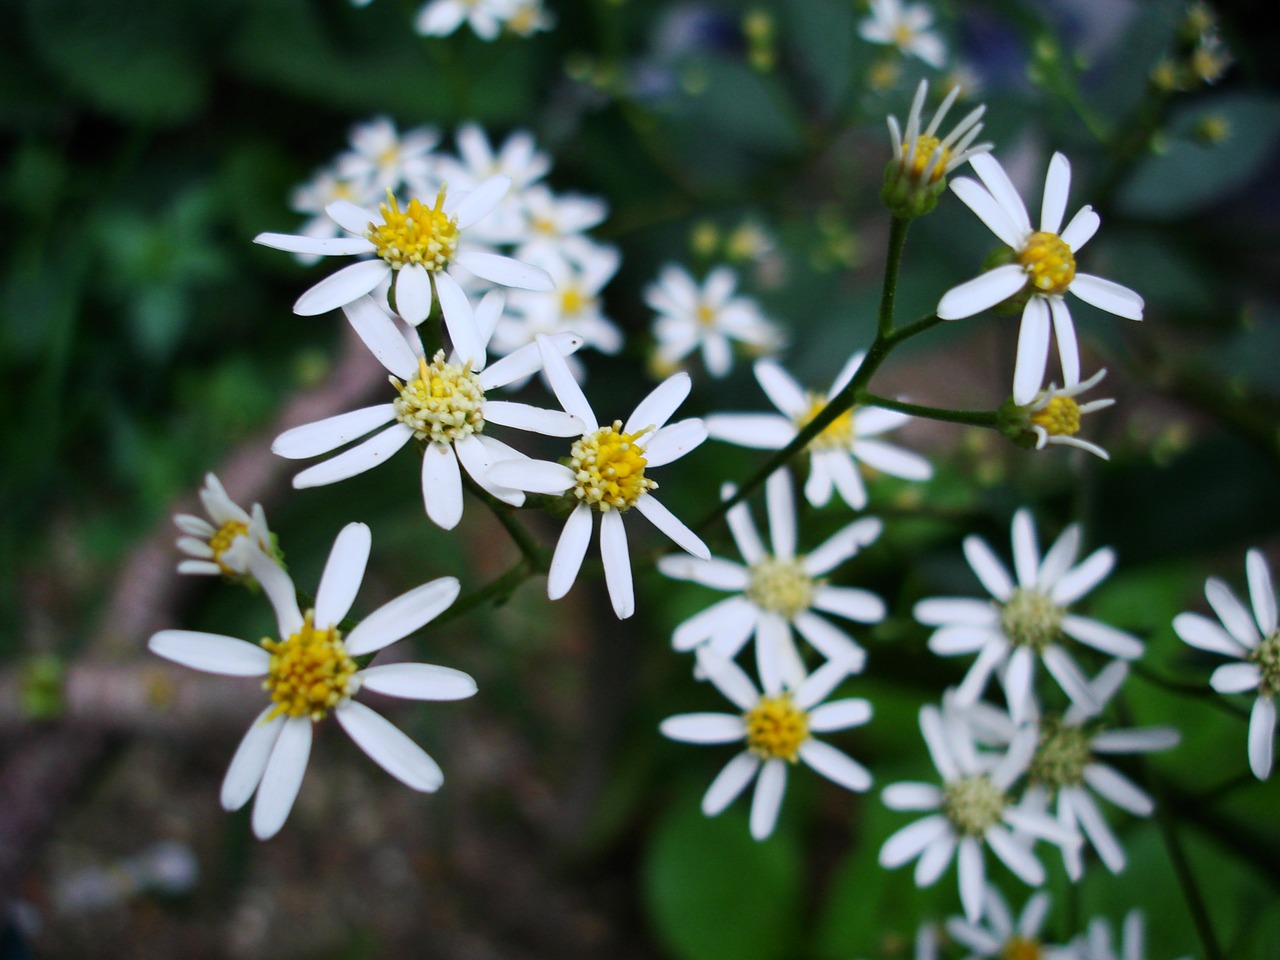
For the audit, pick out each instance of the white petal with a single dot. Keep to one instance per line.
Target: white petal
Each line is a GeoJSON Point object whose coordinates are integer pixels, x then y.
{"type": "Point", "coordinates": [400, 617]}
{"type": "Point", "coordinates": [1262, 731]}
{"type": "Point", "coordinates": [960, 639]}
{"type": "Point", "coordinates": [778, 661]}
{"type": "Point", "coordinates": [957, 611]}
{"type": "Point", "coordinates": [1119, 789]}
{"type": "Point", "coordinates": [704, 728]}
{"type": "Point", "coordinates": [200, 567]}
{"type": "Point", "coordinates": [315, 246]}
{"type": "Point", "coordinates": [526, 360]}
{"type": "Point", "coordinates": [975, 680]}
{"type": "Point", "coordinates": [856, 604]}
{"type": "Point", "coordinates": [194, 526]}
{"type": "Point", "coordinates": [912, 796]}
{"type": "Point", "coordinates": [313, 439]}
{"type": "Point", "coordinates": [1096, 829]}
{"type": "Point", "coordinates": [1081, 228]}
{"type": "Point", "coordinates": [343, 573]}
{"type": "Point", "coordinates": [418, 681]}
{"type": "Point", "coordinates": [839, 715]}
{"type": "Point", "coordinates": [818, 488]}
{"type": "Point", "coordinates": [1017, 684]}
{"type": "Point", "coordinates": [728, 623]}
{"type": "Point", "coordinates": [1026, 552]}
{"type": "Point", "coordinates": [522, 416]}
{"type": "Point", "coordinates": [535, 476]}
{"type": "Point", "coordinates": [844, 474]}
{"type": "Point", "coordinates": [988, 168]}
{"type": "Point", "coordinates": [1015, 856]}
{"type": "Point", "coordinates": [715, 573]}
{"type": "Point", "coordinates": [767, 800]}
{"type": "Point", "coordinates": [1204, 634]}
{"type": "Point", "coordinates": [441, 485]}
{"type": "Point", "coordinates": [1033, 351]}
{"type": "Point", "coordinates": [1057, 184]}
{"type": "Point", "coordinates": [1236, 678]}
{"type": "Point", "coordinates": [479, 202]}
{"type": "Point", "coordinates": [988, 568]}
{"type": "Point", "coordinates": [759, 431]}
{"type": "Point", "coordinates": [842, 545]}
{"type": "Point", "coordinates": [666, 521]}
{"type": "Point", "coordinates": [211, 652]}
{"type": "Point", "coordinates": [1238, 621]}
{"type": "Point", "coordinates": [1140, 740]}
{"type": "Point", "coordinates": [414, 293]}
{"type": "Point", "coordinates": [729, 678]}
{"type": "Point", "coordinates": [250, 760]}
{"type": "Point", "coordinates": [1107, 295]}
{"type": "Point", "coordinates": [505, 271]}
{"type": "Point", "coordinates": [936, 740]}
{"type": "Point", "coordinates": [729, 783]}
{"type": "Point", "coordinates": [829, 640]}
{"type": "Point", "coordinates": [1063, 669]}
{"type": "Point", "coordinates": [1091, 572]}
{"type": "Point", "coordinates": [617, 564]}
{"type": "Point", "coordinates": [781, 389]}
{"type": "Point", "coordinates": [743, 529]}
{"type": "Point", "coordinates": [351, 217]}
{"type": "Point", "coordinates": [835, 765]}
{"type": "Point", "coordinates": [564, 386]}
{"type": "Point", "coordinates": [656, 408]}
{"type": "Point", "coordinates": [989, 211]}
{"type": "Point", "coordinates": [908, 842]}
{"type": "Point", "coordinates": [338, 289]}
{"type": "Point", "coordinates": [972, 877]}
{"type": "Point", "coordinates": [1059, 559]}
{"type": "Point", "coordinates": [389, 747]}
{"type": "Point", "coordinates": [282, 777]}
{"type": "Point", "coordinates": [674, 441]}
{"type": "Point", "coordinates": [982, 292]}
{"type": "Point", "coordinates": [1261, 591]}
{"type": "Point", "coordinates": [892, 460]}
{"type": "Point", "coordinates": [570, 549]}
{"type": "Point", "coordinates": [1102, 637]}
{"type": "Point", "coordinates": [280, 591]}
{"type": "Point", "coordinates": [873, 421]}
{"type": "Point", "coordinates": [459, 320]}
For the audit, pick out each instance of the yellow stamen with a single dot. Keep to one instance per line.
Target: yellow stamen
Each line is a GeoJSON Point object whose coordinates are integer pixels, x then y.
{"type": "Point", "coordinates": [706, 316]}
{"type": "Point", "coordinates": [1049, 263]}
{"type": "Point", "coordinates": [418, 234]}
{"type": "Point", "coordinates": [221, 542]}
{"type": "Point", "coordinates": [776, 728]}
{"type": "Point", "coordinates": [1059, 418]}
{"type": "Point", "coordinates": [837, 435]}
{"type": "Point", "coordinates": [443, 403]}
{"type": "Point", "coordinates": [609, 467]}
{"type": "Point", "coordinates": [309, 673]}
{"type": "Point", "coordinates": [916, 161]}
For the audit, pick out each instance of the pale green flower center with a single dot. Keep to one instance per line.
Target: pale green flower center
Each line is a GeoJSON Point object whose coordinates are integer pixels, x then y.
{"type": "Point", "coordinates": [417, 234]}
{"type": "Point", "coordinates": [776, 728]}
{"type": "Point", "coordinates": [1267, 656]}
{"type": "Point", "coordinates": [309, 673]}
{"type": "Point", "coordinates": [1030, 619]}
{"type": "Point", "coordinates": [973, 805]}
{"type": "Point", "coordinates": [442, 403]}
{"type": "Point", "coordinates": [1049, 263]}
{"type": "Point", "coordinates": [1061, 755]}
{"type": "Point", "coordinates": [608, 466]}
{"type": "Point", "coordinates": [781, 586]}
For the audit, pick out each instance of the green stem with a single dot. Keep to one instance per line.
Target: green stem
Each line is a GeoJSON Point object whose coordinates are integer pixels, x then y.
{"type": "Point", "coordinates": [1182, 869]}
{"type": "Point", "coordinates": [530, 549]}
{"type": "Point", "coordinates": [497, 590]}
{"type": "Point", "coordinates": [974, 418]}
{"type": "Point", "coordinates": [897, 242]}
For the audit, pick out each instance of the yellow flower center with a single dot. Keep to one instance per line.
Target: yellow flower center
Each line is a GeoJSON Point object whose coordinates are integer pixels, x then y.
{"type": "Point", "coordinates": [389, 156]}
{"type": "Point", "coordinates": [609, 467]}
{"type": "Point", "coordinates": [776, 728]}
{"type": "Point", "coordinates": [442, 403]}
{"type": "Point", "coordinates": [1020, 948]}
{"type": "Point", "coordinates": [572, 301]}
{"type": "Point", "coordinates": [309, 673]}
{"type": "Point", "coordinates": [1049, 263]}
{"type": "Point", "coordinates": [903, 35]}
{"type": "Point", "coordinates": [705, 315]}
{"type": "Point", "coordinates": [221, 542]}
{"type": "Point", "coordinates": [780, 585]}
{"type": "Point", "coordinates": [973, 805]}
{"type": "Point", "coordinates": [916, 161]}
{"type": "Point", "coordinates": [837, 435]}
{"type": "Point", "coordinates": [1059, 418]}
{"type": "Point", "coordinates": [418, 234]}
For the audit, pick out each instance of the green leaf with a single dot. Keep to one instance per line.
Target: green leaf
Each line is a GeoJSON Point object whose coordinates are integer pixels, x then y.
{"type": "Point", "coordinates": [716, 894]}
{"type": "Point", "coordinates": [1190, 175]}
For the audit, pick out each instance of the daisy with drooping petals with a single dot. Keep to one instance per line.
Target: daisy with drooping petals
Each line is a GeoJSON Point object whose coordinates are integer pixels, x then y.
{"type": "Point", "coordinates": [1043, 267]}
{"type": "Point", "coordinates": [922, 160]}
{"type": "Point", "coordinates": [1029, 619]}
{"type": "Point", "coordinates": [707, 316]}
{"type": "Point", "coordinates": [1069, 767]}
{"type": "Point", "coordinates": [834, 454]}
{"type": "Point", "coordinates": [776, 728]}
{"type": "Point", "coordinates": [442, 403]}
{"type": "Point", "coordinates": [417, 248]}
{"type": "Point", "coordinates": [907, 27]}
{"type": "Point", "coordinates": [223, 546]}
{"type": "Point", "coordinates": [1254, 639]}
{"type": "Point", "coordinates": [606, 474]}
{"type": "Point", "coordinates": [1053, 417]}
{"type": "Point", "coordinates": [310, 672]}
{"type": "Point", "coordinates": [972, 810]}
{"type": "Point", "coordinates": [999, 937]}
{"type": "Point", "coordinates": [776, 590]}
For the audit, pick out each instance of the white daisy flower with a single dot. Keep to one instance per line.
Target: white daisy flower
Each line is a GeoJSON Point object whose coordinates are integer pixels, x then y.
{"type": "Point", "coordinates": [383, 157]}
{"type": "Point", "coordinates": [1028, 620]}
{"type": "Point", "coordinates": [907, 27]}
{"type": "Point", "coordinates": [999, 937]}
{"type": "Point", "coordinates": [776, 728]}
{"type": "Point", "coordinates": [1068, 768]}
{"type": "Point", "coordinates": [776, 590]}
{"type": "Point", "coordinates": [574, 306]}
{"type": "Point", "coordinates": [973, 810]}
{"type": "Point", "coordinates": [442, 403]}
{"type": "Point", "coordinates": [1097, 943]}
{"type": "Point", "coordinates": [1053, 416]}
{"type": "Point", "coordinates": [707, 317]}
{"type": "Point", "coordinates": [418, 248]}
{"type": "Point", "coordinates": [1254, 640]}
{"type": "Point", "coordinates": [222, 548]}
{"type": "Point", "coordinates": [439, 18]}
{"type": "Point", "coordinates": [922, 160]}
{"type": "Point", "coordinates": [310, 672]}
{"type": "Point", "coordinates": [836, 453]}
{"type": "Point", "coordinates": [1043, 267]}
{"type": "Point", "coordinates": [606, 474]}
{"type": "Point", "coordinates": [554, 225]}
